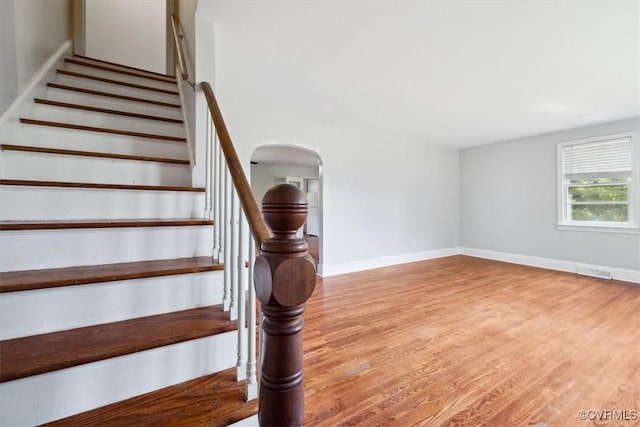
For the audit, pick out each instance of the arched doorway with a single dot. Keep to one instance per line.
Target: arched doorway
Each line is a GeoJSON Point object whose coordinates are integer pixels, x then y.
{"type": "Point", "coordinates": [275, 164]}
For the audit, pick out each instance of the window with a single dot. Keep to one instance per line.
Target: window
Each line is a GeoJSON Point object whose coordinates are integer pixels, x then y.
{"type": "Point", "coordinates": [598, 182]}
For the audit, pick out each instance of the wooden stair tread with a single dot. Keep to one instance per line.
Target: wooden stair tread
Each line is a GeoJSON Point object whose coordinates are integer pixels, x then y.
{"type": "Point", "coordinates": [102, 130]}
{"type": "Point", "coordinates": [105, 110]}
{"type": "Point", "coordinates": [215, 400]}
{"type": "Point", "coordinates": [91, 154]}
{"type": "Point", "coordinates": [116, 82]}
{"type": "Point", "coordinates": [123, 71]}
{"type": "Point", "coordinates": [110, 223]}
{"type": "Point", "coordinates": [112, 95]}
{"type": "Point", "coordinates": [141, 72]}
{"type": "Point", "coordinates": [27, 280]}
{"type": "Point", "coordinates": [27, 183]}
{"type": "Point", "coordinates": [37, 354]}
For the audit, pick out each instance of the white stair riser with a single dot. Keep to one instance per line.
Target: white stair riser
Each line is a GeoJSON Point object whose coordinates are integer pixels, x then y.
{"type": "Point", "coordinates": [64, 95]}
{"type": "Point", "coordinates": [55, 203]}
{"type": "Point", "coordinates": [16, 133]}
{"type": "Point", "coordinates": [54, 167]}
{"type": "Point", "coordinates": [120, 77]}
{"type": "Point", "coordinates": [38, 249]}
{"type": "Point", "coordinates": [55, 395]}
{"type": "Point", "coordinates": [116, 88]}
{"type": "Point", "coordinates": [71, 307]}
{"type": "Point", "coordinates": [122, 67]}
{"type": "Point", "coordinates": [109, 121]}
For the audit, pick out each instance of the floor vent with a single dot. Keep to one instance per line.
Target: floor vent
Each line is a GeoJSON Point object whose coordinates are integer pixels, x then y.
{"type": "Point", "coordinates": [594, 272]}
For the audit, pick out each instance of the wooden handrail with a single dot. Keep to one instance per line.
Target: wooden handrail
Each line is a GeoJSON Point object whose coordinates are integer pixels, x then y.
{"type": "Point", "coordinates": [181, 59]}
{"type": "Point", "coordinates": [259, 229]}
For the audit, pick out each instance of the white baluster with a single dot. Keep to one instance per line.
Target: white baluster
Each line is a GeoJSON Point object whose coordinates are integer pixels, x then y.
{"type": "Point", "coordinates": [208, 170]}
{"type": "Point", "coordinates": [233, 250]}
{"type": "Point", "coordinates": [251, 386]}
{"type": "Point", "coordinates": [214, 198]}
{"type": "Point", "coordinates": [226, 297]}
{"type": "Point", "coordinates": [220, 199]}
{"type": "Point", "coordinates": [241, 362]}
{"type": "Point", "coordinates": [261, 347]}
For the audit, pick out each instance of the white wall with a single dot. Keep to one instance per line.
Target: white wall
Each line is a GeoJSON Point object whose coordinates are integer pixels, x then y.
{"type": "Point", "coordinates": [265, 176]}
{"type": "Point", "coordinates": [8, 65]}
{"type": "Point", "coordinates": [186, 12]}
{"type": "Point", "coordinates": [30, 32]}
{"type": "Point", "coordinates": [203, 40]}
{"type": "Point", "coordinates": [383, 195]}
{"type": "Point", "coordinates": [132, 33]}
{"type": "Point", "coordinates": [508, 202]}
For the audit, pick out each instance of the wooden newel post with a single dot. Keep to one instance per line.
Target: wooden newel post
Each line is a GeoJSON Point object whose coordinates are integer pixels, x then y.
{"type": "Point", "coordinates": [285, 277]}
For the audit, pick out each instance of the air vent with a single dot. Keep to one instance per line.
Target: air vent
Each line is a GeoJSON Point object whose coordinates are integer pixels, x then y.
{"type": "Point", "coordinates": [594, 272]}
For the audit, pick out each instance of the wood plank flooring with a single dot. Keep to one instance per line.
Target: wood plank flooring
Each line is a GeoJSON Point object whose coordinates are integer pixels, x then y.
{"type": "Point", "coordinates": [461, 341]}
{"type": "Point", "coordinates": [456, 341]}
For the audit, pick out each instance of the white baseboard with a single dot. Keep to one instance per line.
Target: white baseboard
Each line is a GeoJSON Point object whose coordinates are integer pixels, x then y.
{"type": "Point", "coordinates": [367, 264]}
{"type": "Point", "coordinates": [549, 263]}
{"type": "Point", "coordinates": [35, 80]}
{"type": "Point", "coordinates": [622, 274]}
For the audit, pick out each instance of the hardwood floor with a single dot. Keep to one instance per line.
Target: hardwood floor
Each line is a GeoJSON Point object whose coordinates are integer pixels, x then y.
{"type": "Point", "coordinates": [456, 341]}
{"type": "Point", "coordinates": [467, 342]}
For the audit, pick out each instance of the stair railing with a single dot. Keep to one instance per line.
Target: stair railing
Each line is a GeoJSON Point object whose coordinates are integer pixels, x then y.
{"type": "Point", "coordinates": [282, 276]}
{"type": "Point", "coordinates": [178, 41]}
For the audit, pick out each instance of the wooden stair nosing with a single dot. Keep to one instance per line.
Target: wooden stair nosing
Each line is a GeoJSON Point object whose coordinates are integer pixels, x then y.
{"type": "Point", "coordinates": [72, 126]}
{"type": "Point", "coordinates": [215, 400]}
{"type": "Point", "coordinates": [105, 110]}
{"type": "Point", "coordinates": [116, 82]}
{"type": "Point", "coordinates": [66, 152]}
{"type": "Point", "coordinates": [112, 95]}
{"type": "Point", "coordinates": [127, 72]}
{"type": "Point", "coordinates": [111, 223]}
{"type": "Point", "coordinates": [90, 185]}
{"type": "Point", "coordinates": [126, 66]}
{"type": "Point", "coordinates": [38, 354]}
{"type": "Point", "coordinates": [28, 280]}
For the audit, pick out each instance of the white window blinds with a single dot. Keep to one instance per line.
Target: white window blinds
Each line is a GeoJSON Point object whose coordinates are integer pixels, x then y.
{"type": "Point", "coordinates": [597, 159]}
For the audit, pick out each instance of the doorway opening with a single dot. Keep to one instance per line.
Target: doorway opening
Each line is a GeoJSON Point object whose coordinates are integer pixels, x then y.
{"type": "Point", "coordinates": [277, 164]}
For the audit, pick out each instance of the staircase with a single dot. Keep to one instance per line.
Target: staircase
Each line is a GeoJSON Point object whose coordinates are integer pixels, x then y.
{"type": "Point", "coordinates": [108, 284]}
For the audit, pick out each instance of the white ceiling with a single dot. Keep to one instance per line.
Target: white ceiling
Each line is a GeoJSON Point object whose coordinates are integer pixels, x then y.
{"type": "Point", "coordinates": [459, 73]}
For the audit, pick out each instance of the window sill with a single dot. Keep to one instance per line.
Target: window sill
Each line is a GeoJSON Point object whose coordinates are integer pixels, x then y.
{"type": "Point", "coordinates": [599, 229]}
